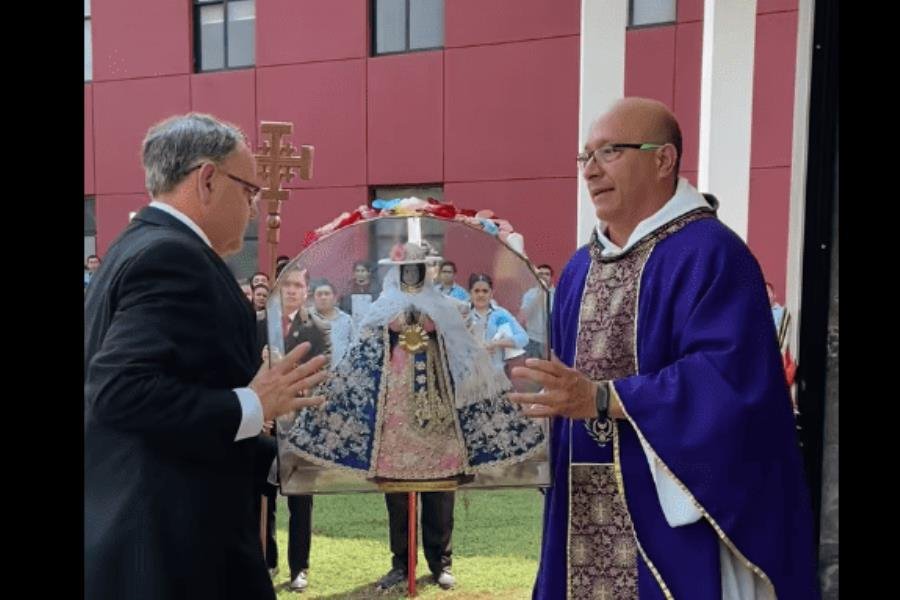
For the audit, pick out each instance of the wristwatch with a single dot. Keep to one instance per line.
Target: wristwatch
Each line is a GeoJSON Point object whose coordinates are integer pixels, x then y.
{"type": "Point", "coordinates": [602, 400]}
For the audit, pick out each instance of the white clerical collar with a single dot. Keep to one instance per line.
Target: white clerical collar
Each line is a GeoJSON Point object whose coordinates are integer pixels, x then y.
{"type": "Point", "coordinates": [167, 208]}
{"type": "Point", "coordinates": [686, 199]}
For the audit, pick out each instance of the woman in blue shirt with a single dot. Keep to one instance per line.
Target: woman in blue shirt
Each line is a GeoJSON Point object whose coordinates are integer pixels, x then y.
{"type": "Point", "coordinates": [491, 323]}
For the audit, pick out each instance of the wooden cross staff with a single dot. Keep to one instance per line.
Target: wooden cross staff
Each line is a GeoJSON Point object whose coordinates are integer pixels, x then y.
{"type": "Point", "coordinates": [275, 164]}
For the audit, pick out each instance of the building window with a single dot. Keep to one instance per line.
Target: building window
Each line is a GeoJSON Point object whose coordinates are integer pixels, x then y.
{"type": "Point", "coordinates": [246, 262]}
{"type": "Point", "coordinates": [224, 34]}
{"type": "Point", "coordinates": [90, 228]}
{"type": "Point", "coordinates": [88, 56]}
{"type": "Point", "coordinates": [407, 25]}
{"type": "Point", "coordinates": [644, 13]}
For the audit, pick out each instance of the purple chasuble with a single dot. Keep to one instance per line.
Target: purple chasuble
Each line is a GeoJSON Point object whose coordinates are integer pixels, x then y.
{"type": "Point", "coordinates": [680, 323]}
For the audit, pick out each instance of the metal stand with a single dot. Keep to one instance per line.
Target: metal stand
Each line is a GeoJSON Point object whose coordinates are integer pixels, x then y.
{"type": "Point", "coordinates": [411, 488]}
{"type": "Point", "coordinates": [412, 550]}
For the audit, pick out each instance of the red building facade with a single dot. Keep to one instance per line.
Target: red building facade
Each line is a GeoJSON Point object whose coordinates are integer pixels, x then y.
{"type": "Point", "coordinates": [491, 116]}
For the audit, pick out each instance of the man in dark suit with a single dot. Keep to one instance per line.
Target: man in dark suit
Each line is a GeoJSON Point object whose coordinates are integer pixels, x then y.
{"type": "Point", "coordinates": [173, 400]}
{"type": "Point", "coordinates": [298, 327]}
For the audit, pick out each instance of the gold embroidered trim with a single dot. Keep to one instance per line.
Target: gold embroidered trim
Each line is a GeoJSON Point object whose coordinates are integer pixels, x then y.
{"type": "Point", "coordinates": [379, 408]}
{"type": "Point", "coordinates": [621, 482]}
{"type": "Point", "coordinates": [725, 539]}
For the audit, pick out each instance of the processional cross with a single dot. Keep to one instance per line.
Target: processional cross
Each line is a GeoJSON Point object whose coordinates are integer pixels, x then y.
{"type": "Point", "coordinates": [275, 165]}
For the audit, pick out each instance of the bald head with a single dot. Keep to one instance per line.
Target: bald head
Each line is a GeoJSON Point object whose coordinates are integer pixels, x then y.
{"type": "Point", "coordinates": [652, 121]}
{"type": "Point", "coordinates": [634, 151]}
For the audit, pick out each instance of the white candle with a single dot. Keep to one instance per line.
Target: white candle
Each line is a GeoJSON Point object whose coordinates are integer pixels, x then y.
{"type": "Point", "coordinates": [414, 230]}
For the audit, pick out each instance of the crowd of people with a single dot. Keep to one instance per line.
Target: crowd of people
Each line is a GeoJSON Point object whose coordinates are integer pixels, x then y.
{"type": "Point", "coordinates": [675, 467]}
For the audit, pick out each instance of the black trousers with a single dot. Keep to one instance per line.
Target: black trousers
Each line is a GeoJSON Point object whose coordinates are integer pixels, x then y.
{"type": "Point", "coordinates": [437, 528]}
{"type": "Point", "coordinates": [299, 532]}
{"type": "Point", "coordinates": [263, 461]}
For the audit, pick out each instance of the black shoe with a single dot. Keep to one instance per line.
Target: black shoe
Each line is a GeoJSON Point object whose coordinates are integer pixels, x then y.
{"type": "Point", "coordinates": [394, 576]}
{"type": "Point", "coordinates": [445, 579]}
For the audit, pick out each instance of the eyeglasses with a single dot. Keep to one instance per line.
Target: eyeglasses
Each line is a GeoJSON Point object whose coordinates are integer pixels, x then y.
{"type": "Point", "coordinates": [610, 152]}
{"type": "Point", "coordinates": [252, 190]}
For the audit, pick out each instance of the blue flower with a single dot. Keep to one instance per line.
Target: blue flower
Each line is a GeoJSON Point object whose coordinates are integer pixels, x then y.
{"type": "Point", "coordinates": [489, 226]}
{"type": "Point", "coordinates": [382, 204]}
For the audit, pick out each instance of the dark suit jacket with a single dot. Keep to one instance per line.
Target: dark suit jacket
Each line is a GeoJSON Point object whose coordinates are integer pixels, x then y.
{"type": "Point", "coordinates": [168, 492]}
{"type": "Point", "coordinates": [346, 302]}
{"type": "Point", "coordinates": [306, 331]}
{"type": "Point", "coordinates": [299, 332]}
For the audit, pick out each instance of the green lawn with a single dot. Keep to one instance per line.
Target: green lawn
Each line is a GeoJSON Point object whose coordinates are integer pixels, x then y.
{"type": "Point", "coordinates": [496, 543]}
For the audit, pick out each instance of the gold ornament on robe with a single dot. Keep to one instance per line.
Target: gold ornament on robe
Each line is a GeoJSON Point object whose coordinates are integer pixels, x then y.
{"type": "Point", "coordinates": [414, 338]}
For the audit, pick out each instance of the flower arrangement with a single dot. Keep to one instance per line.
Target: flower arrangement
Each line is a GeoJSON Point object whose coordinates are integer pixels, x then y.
{"type": "Point", "coordinates": [485, 219]}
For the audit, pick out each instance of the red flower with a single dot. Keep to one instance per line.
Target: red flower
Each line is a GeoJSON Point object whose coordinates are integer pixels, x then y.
{"type": "Point", "coordinates": [309, 238]}
{"type": "Point", "coordinates": [398, 252]}
{"type": "Point", "coordinates": [444, 211]}
{"type": "Point", "coordinates": [432, 207]}
{"type": "Point", "coordinates": [352, 218]}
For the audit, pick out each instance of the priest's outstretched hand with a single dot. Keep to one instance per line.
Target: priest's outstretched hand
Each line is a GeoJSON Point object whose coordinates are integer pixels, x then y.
{"type": "Point", "coordinates": [566, 392]}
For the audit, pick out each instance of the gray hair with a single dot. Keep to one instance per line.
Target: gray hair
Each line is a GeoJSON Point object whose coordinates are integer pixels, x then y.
{"type": "Point", "coordinates": [176, 145]}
